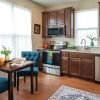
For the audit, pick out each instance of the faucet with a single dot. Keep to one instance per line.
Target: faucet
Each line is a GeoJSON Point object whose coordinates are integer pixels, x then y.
{"type": "Point", "coordinates": [83, 40]}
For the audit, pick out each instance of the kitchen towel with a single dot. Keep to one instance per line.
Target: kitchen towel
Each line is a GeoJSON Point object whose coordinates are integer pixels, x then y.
{"type": "Point", "coordinates": [49, 57]}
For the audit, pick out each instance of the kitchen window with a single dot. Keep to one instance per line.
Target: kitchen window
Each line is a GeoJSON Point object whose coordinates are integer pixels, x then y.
{"type": "Point", "coordinates": [15, 28]}
{"type": "Point", "coordinates": [86, 24]}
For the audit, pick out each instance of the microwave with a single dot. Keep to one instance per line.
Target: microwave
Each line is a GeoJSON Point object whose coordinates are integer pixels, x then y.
{"type": "Point", "coordinates": [56, 30]}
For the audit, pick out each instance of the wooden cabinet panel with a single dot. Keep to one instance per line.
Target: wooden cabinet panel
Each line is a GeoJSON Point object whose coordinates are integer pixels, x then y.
{"type": "Point", "coordinates": [75, 65]}
{"type": "Point", "coordinates": [52, 18]}
{"type": "Point", "coordinates": [64, 65]}
{"type": "Point", "coordinates": [69, 22]}
{"type": "Point", "coordinates": [87, 56]}
{"type": "Point", "coordinates": [78, 64]}
{"type": "Point", "coordinates": [65, 54]}
{"type": "Point", "coordinates": [75, 55]}
{"type": "Point", "coordinates": [87, 66]}
{"type": "Point", "coordinates": [64, 62]}
{"type": "Point", "coordinates": [60, 17]}
{"type": "Point", "coordinates": [44, 24]}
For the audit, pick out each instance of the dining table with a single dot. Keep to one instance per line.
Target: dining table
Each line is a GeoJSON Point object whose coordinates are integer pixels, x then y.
{"type": "Point", "coordinates": [10, 68]}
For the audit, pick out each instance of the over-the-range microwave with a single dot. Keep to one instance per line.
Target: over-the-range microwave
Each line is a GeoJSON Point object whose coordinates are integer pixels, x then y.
{"type": "Point", "coordinates": [56, 30]}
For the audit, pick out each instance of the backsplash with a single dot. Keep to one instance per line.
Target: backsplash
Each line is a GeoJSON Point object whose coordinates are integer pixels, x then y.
{"type": "Point", "coordinates": [69, 40]}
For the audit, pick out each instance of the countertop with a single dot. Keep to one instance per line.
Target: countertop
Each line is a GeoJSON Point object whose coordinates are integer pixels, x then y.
{"type": "Point", "coordinates": [92, 51]}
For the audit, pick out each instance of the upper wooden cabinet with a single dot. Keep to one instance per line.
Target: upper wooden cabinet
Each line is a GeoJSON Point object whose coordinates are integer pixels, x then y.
{"type": "Point", "coordinates": [52, 18]}
{"type": "Point", "coordinates": [69, 22]}
{"type": "Point", "coordinates": [59, 17]}
{"type": "Point", "coordinates": [44, 24]}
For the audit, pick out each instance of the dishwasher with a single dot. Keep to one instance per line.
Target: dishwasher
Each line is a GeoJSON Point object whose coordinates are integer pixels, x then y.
{"type": "Point", "coordinates": [97, 68]}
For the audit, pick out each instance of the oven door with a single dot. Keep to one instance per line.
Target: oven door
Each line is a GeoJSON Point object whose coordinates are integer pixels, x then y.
{"type": "Point", "coordinates": [55, 58]}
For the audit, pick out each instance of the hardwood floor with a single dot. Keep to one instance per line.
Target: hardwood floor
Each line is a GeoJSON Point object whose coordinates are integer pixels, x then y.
{"type": "Point", "coordinates": [47, 85]}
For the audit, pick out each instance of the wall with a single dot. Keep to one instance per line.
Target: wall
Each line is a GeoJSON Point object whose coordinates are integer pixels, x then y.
{"type": "Point", "coordinates": [79, 5]}
{"type": "Point", "coordinates": [36, 19]}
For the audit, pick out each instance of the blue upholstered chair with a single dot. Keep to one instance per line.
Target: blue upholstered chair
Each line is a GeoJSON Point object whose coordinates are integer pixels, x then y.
{"type": "Point", "coordinates": [3, 84]}
{"type": "Point", "coordinates": [31, 56]}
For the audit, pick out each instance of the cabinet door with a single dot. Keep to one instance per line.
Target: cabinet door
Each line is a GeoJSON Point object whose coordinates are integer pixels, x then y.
{"type": "Point", "coordinates": [87, 67]}
{"type": "Point", "coordinates": [64, 65]}
{"type": "Point", "coordinates": [69, 22]}
{"type": "Point", "coordinates": [52, 18]}
{"type": "Point", "coordinates": [60, 17]}
{"type": "Point", "coordinates": [44, 24]}
{"type": "Point", "coordinates": [75, 65]}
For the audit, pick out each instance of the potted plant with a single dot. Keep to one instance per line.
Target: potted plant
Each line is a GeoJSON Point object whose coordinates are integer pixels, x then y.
{"type": "Point", "coordinates": [6, 52]}
{"type": "Point", "coordinates": [92, 39]}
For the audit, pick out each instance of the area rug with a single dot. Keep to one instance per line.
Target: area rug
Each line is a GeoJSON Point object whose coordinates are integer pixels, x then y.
{"type": "Point", "coordinates": [68, 93]}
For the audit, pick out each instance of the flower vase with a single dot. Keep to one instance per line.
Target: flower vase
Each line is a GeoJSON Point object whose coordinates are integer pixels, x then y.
{"type": "Point", "coordinates": [92, 43]}
{"type": "Point", "coordinates": [7, 58]}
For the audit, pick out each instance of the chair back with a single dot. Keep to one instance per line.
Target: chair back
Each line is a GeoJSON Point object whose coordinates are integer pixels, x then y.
{"type": "Point", "coordinates": [31, 56]}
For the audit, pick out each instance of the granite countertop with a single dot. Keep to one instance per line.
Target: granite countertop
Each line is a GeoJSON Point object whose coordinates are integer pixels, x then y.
{"type": "Point", "coordinates": [92, 51]}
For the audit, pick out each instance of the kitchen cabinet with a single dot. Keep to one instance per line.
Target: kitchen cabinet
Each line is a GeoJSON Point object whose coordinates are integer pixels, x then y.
{"type": "Point", "coordinates": [69, 22]}
{"type": "Point", "coordinates": [52, 18]}
{"type": "Point", "coordinates": [75, 64]}
{"type": "Point", "coordinates": [64, 62]}
{"type": "Point", "coordinates": [87, 66]}
{"type": "Point", "coordinates": [60, 17]}
{"type": "Point", "coordinates": [78, 64]}
{"type": "Point", "coordinates": [44, 24]}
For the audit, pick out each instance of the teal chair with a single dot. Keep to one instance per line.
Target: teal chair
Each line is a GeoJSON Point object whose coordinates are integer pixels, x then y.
{"type": "Point", "coordinates": [3, 84]}
{"type": "Point", "coordinates": [31, 56]}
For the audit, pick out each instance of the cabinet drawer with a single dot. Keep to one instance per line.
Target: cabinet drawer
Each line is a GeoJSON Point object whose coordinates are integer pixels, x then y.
{"type": "Point", "coordinates": [64, 53]}
{"type": "Point", "coordinates": [75, 55]}
{"type": "Point", "coordinates": [87, 56]}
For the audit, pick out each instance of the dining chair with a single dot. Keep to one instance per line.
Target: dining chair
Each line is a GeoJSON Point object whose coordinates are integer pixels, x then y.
{"type": "Point", "coordinates": [3, 84]}
{"type": "Point", "coordinates": [31, 56]}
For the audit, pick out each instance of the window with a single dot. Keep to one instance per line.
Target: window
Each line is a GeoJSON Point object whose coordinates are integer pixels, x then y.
{"type": "Point", "coordinates": [86, 24]}
{"type": "Point", "coordinates": [15, 28]}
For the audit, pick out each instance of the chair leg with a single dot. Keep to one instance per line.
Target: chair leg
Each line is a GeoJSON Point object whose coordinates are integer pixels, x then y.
{"type": "Point", "coordinates": [17, 82]}
{"type": "Point", "coordinates": [24, 79]}
{"type": "Point", "coordinates": [32, 88]}
{"type": "Point", "coordinates": [36, 82]}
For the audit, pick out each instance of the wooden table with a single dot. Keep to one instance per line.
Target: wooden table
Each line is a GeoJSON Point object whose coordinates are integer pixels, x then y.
{"type": "Point", "coordinates": [12, 69]}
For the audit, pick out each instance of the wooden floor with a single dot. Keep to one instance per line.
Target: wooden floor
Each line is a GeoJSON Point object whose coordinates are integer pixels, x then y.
{"type": "Point", "coordinates": [48, 84]}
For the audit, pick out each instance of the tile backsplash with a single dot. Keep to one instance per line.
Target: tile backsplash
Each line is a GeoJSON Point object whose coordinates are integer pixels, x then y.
{"type": "Point", "coordinates": [69, 40]}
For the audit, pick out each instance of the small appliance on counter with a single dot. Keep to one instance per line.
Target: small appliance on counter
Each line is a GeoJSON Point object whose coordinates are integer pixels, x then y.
{"type": "Point", "coordinates": [58, 45]}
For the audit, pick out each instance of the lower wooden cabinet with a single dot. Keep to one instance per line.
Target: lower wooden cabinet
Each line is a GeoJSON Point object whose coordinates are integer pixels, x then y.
{"type": "Point", "coordinates": [78, 64]}
{"type": "Point", "coordinates": [87, 67]}
{"type": "Point", "coordinates": [75, 65]}
{"type": "Point", "coordinates": [64, 65]}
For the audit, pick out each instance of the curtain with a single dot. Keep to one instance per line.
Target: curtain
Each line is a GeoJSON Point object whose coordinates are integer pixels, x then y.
{"type": "Point", "coordinates": [15, 28]}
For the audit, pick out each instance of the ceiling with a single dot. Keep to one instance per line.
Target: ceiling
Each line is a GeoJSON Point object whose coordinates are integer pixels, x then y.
{"type": "Point", "coordinates": [47, 3]}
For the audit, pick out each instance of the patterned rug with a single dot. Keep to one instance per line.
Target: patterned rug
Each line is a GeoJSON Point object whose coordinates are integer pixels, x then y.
{"type": "Point", "coordinates": [68, 93]}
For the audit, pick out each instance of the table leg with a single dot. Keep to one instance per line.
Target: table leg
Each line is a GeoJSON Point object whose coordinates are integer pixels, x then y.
{"type": "Point", "coordinates": [10, 86]}
{"type": "Point", "coordinates": [15, 79]}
